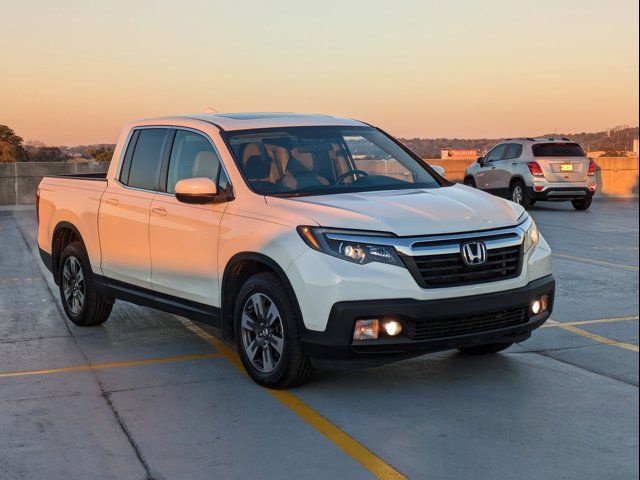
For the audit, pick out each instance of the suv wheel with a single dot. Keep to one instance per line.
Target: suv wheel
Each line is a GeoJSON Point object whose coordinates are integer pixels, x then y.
{"type": "Point", "coordinates": [267, 336]}
{"type": "Point", "coordinates": [485, 349]}
{"type": "Point", "coordinates": [82, 303]}
{"type": "Point", "coordinates": [519, 194]}
{"type": "Point", "coordinates": [582, 204]}
{"type": "Point", "coordinates": [470, 182]}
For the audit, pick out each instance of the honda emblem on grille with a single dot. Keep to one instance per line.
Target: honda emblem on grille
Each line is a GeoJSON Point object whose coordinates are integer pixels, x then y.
{"type": "Point", "coordinates": [474, 253]}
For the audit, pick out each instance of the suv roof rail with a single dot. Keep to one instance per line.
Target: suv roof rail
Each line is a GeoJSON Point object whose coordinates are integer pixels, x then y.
{"type": "Point", "coordinates": [564, 139]}
{"type": "Point", "coordinates": [522, 138]}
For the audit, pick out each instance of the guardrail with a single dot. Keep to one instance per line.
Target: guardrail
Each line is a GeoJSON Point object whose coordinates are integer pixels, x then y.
{"type": "Point", "coordinates": [19, 181]}
{"type": "Point", "coordinates": [616, 176]}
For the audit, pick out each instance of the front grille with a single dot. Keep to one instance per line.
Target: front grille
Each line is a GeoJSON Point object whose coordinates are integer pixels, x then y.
{"type": "Point", "coordinates": [466, 324]}
{"type": "Point", "coordinates": [449, 270]}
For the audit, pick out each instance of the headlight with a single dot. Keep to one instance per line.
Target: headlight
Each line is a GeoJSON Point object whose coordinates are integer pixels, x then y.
{"type": "Point", "coordinates": [355, 251]}
{"type": "Point", "coordinates": [531, 236]}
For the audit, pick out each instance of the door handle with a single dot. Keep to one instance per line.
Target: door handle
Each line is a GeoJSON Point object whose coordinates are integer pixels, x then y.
{"type": "Point", "coordinates": [112, 201]}
{"type": "Point", "coordinates": [159, 211]}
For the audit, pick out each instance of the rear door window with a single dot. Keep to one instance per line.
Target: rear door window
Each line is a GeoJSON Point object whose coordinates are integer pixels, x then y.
{"type": "Point", "coordinates": [514, 150]}
{"type": "Point", "coordinates": [145, 163]}
{"type": "Point", "coordinates": [558, 150]}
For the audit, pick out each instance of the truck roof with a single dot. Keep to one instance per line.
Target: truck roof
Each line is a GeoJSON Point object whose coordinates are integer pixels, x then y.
{"type": "Point", "coordinates": [246, 121]}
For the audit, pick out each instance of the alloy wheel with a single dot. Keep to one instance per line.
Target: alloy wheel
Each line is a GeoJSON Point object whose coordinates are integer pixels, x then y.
{"type": "Point", "coordinates": [262, 332]}
{"type": "Point", "coordinates": [73, 284]}
{"type": "Point", "coordinates": [517, 194]}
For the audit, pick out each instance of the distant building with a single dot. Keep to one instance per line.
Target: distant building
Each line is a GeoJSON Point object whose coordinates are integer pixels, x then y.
{"type": "Point", "coordinates": [452, 153]}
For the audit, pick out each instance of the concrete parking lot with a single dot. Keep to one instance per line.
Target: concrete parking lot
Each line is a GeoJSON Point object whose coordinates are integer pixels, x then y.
{"type": "Point", "coordinates": [150, 395]}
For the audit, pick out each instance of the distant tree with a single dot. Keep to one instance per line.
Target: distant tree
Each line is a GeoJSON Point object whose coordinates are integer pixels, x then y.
{"type": "Point", "coordinates": [47, 154]}
{"type": "Point", "coordinates": [613, 153]}
{"type": "Point", "coordinates": [101, 154]}
{"type": "Point", "coordinates": [11, 149]}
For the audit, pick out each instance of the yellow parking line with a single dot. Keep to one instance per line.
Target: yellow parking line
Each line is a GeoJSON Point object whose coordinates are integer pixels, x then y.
{"type": "Point", "coordinates": [596, 262]}
{"type": "Point", "coordinates": [131, 363]}
{"type": "Point", "coordinates": [341, 439]}
{"type": "Point", "coordinates": [594, 336]}
{"type": "Point", "coordinates": [591, 322]}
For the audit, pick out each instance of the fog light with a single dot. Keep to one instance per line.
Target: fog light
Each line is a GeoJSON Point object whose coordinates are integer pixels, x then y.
{"type": "Point", "coordinates": [540, 305]}
{"type": "Point", "coordinates": [366, 330]}
{"type": "Point", "coordinates": [538, 188]}
{"type": "Point", "coordinates": [536, 307]}
{"type": "Point", "coordinates": [392, 327]}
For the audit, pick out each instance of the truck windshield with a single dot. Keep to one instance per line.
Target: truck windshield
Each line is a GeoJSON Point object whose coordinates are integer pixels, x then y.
{"type": "Point", "coordinates": [558, 150]}
{"type": "Point", "coordinates": [323, 160]}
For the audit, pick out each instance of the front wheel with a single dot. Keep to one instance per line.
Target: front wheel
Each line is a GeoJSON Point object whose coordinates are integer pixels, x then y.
{"type": "Point", "coordinates": [470, 182]}
{"type": "Point", "coordinates": [582, 204]}
{"type": "Point", "coordinates": [485, 349]}
{"type": "Point", "coordinates": [267, 334]}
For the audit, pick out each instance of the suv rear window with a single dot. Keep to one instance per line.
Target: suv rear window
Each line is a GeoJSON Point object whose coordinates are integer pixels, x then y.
{"type": "Point", "coordinates": [558, 150]}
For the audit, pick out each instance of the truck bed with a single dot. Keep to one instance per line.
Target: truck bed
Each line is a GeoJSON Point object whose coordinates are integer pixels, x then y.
{"type": "Point", "coordinates": [73, 199]}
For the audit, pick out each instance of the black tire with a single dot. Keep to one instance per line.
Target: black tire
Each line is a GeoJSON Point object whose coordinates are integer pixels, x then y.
{"type": "Point", "coordinates": [95, 307]}
{"type": "Point", "coordinates": [470, 182]}
{"type": "Point", "coordinates": [519, 194]}
{"type": "Point", "coordinates": [293, 366]}
{"type": "Point", "coordinates": [582, 204]}
{"type": "Point", "coordinates": [486, 349]}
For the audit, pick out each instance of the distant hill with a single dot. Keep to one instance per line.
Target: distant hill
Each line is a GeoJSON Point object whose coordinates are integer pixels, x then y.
{"type": "Point", "coordinates": [615, 139]}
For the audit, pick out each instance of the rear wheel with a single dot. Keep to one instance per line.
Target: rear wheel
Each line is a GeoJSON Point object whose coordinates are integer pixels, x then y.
{"type": "Point", "coordinates": [82, 303]}
{"type": "Point", "coordinates": [485, 349]}
{"type": "Point", "coordinates": [470, 182]}
{"type": "Point", "coordinates": [582, 204]}
{"type": "Point", "coordinates": [520, 195]}
{"type": "Point", "coordinates": [267, 336]}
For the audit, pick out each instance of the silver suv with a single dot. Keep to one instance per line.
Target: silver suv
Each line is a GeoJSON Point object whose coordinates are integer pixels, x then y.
{"type": "Point", "coordinates": [527, 170]}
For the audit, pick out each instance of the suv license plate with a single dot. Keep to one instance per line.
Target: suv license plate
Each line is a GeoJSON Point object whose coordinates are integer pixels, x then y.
{"type": "Point", "coordinates": [566, 167]}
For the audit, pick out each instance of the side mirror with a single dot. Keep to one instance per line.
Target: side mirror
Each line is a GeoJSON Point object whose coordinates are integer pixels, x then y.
{"type": "Point", "coordinates": [196, 190]}
{"type": "Point", "coordinates": [480, 160]}
{"type": "Point", "coordinates": [438, 169]}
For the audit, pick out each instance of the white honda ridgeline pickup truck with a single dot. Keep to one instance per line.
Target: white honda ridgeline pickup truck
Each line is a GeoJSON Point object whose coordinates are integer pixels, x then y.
{"type": "Point", "coordinates": [311, 240]}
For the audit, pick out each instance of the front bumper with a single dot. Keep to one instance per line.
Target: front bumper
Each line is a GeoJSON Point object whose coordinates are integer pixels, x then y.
{"type": "Point", "coordinates": [334, 347]}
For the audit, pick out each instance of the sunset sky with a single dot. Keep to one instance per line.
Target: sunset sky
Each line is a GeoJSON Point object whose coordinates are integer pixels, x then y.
{"type": "Point", "coordinates": [73, 72]}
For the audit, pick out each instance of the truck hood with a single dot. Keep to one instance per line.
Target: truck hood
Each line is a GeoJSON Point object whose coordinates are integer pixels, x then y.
{"type": "Point", "coordinates": [406, 212]}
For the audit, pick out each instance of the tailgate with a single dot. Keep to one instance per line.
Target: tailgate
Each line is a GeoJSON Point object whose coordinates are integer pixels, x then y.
{"type": "Point", "coordinates": [564, 169]}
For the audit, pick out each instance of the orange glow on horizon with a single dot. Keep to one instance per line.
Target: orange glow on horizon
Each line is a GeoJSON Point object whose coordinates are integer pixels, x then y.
{"type": "Point", "coordinates": [75, 73]}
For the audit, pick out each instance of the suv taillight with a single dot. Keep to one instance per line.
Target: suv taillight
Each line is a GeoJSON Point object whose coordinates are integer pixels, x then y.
{"type": "Point", "coordinates": [592, 168]}
{"type": "Point", "coordinates": [38, 207]}
{"type": "Point", "coordinates": [535, 169]}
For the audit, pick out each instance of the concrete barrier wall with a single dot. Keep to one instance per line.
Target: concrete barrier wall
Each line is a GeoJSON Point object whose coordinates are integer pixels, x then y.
{"type": "Point", "coordinates": [616, 176]}
{"type": "Point", "coordinates": [19, 181]}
